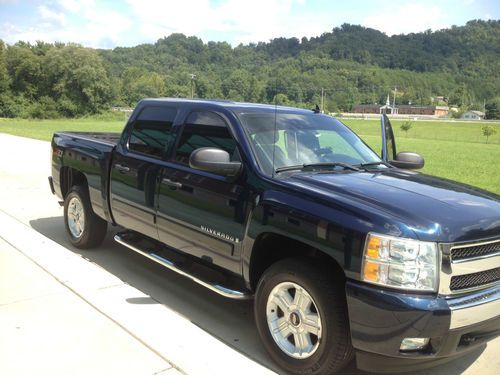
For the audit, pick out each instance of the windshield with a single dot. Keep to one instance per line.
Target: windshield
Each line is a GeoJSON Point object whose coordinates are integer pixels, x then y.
{"type": "Point", "coordinates": [302, 139]}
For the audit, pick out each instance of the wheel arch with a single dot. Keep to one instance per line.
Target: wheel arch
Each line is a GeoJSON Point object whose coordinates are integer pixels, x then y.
{"type": "Point", "coordinates": [70, 177]}
{"type": "Point", "coordinates": [269, 248]}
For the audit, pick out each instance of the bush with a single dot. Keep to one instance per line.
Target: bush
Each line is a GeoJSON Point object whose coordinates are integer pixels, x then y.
{"type": "Point", "coordinates": [406, 126]}
{"type": "Point", "coordinates": [14, 106]}
{"type": "Point", "coordinates": [67, 108]}
{"type": "Point", "coordinates": [45, 108]}
{"type": "Point", "coordinates": [488, 131]}
{"type": "Point", "coordinates": [109, 115]}
{"type": "Point", "coordinates": [458, 114]}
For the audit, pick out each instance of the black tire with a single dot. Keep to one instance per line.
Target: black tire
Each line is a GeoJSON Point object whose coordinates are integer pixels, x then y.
{"type": "Point", "coordinates": [93, 229]}
{"type": "Point", "coordinates": [334, 350]}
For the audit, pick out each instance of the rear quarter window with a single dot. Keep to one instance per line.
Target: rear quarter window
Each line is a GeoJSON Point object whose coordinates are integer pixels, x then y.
{"type": "Point", "coordinates": [152, 131]}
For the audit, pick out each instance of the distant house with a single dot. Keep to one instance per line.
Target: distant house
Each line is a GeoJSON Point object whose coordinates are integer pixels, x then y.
{"type": "Point", "coordinates": [408, 109]}
{"type": "Point", "coordinates": [434, 110]}
{"type": "Point", "coordinates": [376, 108]}
{"type": "Point", "coordinates": [473, 115]}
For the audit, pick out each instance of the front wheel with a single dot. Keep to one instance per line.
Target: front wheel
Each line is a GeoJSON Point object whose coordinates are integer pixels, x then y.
{"type": "Point", "coordinates": [84, 227]}
{"type": "Point", "coordinates": [301, 316]}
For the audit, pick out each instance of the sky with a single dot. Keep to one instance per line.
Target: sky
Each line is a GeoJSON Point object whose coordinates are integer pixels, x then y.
{"type": "Point", "coordinates": [125, 23]}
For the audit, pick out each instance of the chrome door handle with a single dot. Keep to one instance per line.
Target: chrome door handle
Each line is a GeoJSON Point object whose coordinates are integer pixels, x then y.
{"type": "Point", "coordinates": [122, 168]}
{"type": "Point", "coordinates": [172, 184]}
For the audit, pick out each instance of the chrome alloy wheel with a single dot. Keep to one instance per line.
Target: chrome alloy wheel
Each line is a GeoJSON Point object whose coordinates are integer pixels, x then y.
{"type": "Point", "coordinates": [76, 217]}
{"type": "Point", "coordinates": [294, 320]}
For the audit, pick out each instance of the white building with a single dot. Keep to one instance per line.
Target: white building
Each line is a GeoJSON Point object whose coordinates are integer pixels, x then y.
{"type": "Point", "coordinates": [473, 115]}
{"type": "Point", "coordinates": [388, 109]}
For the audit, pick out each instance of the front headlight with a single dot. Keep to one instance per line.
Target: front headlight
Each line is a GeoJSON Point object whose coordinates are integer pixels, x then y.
{"type": "Point", "coordinates": [400, 263]}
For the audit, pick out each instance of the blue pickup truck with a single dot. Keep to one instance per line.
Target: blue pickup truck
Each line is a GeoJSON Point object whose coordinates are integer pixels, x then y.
{"type": "Point", "coordinates": [346, 253]}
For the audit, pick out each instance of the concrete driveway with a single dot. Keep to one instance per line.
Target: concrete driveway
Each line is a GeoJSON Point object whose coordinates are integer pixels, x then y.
{"type": "Point", "coordinates": [156, 318]}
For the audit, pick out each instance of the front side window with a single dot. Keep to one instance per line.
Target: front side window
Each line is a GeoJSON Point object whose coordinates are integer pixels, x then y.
{"type": "Point", "coordinates": [287, 139]}
{"type": "Point", "coordinates": [204, 129]}
{"type": "Point", "coordinates": [151, 131]}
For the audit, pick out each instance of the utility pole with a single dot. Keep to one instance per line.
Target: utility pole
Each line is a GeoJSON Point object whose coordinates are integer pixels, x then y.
{"type": "Point", "coordinates": [322, 100]}
{"type": "Point", "coordinates": [193, 77]}
{"type": "Point", "coordinates": [394, 99]}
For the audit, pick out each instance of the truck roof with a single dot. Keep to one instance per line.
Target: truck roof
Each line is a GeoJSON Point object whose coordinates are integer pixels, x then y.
{"type": "Point", "coordinates": [228, 104]}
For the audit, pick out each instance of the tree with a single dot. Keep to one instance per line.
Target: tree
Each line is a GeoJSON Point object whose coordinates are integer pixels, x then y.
{"type": "Point", "coordinates": [76, 74]}
{"type": "Point", "coordinates": [352, 64]}
{"type": "Point", "coordinates": [406, 126]}
{"type": "Point", "coordinates": [24, 68]}
{"type": "Point", "coordinates": [281, 99]}
{"type": "Point", "coordinates": [488, 131]}
{"type": "Point", "coordinates": [4, 75]}
{"type": "Point", "coordinates": [493, 109]}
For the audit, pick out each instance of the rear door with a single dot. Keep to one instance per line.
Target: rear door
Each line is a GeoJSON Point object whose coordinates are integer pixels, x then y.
{"type": "Point", "coordinates": [388, 141]}
{"type": "Point", "coordinates": [135, 168]}
{"type": "Point", "coordinates": [199, 212]}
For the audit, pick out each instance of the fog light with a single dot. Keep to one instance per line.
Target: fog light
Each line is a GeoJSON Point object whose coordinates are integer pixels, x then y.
{"type": "Point", "coordinates": [411, 344]}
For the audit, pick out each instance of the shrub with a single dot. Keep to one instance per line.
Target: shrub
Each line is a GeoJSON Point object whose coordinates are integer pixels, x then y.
{"type": "Point", "coordinates": [488, 131]}
{"type": "Point", "coordinates": [406, 126]}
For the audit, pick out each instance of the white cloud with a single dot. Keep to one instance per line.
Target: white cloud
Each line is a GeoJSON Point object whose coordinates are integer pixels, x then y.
{"type": "Point", "coordinates": [50, 15]}
{"type": "Point", "coordinates": [128, 22]}
{"type": "Point", "coordinates": [408, 18]}
{"type": "Point", "coordinates": [75, 5]}
{"type": "Point", "coordinates": [93, 23]}
{"type": "Point", "coordinates": [252, 21]}
{"type": "Point", "coordinates": [84, 22]}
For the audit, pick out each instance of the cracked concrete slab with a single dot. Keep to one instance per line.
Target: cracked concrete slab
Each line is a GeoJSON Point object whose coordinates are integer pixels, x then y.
{"type": "Point", "coordinates": [47, 329]}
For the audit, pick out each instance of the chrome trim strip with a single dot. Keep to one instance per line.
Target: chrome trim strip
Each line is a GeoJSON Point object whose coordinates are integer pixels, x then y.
{"type": "Point", "coordinates": [219, 289]}
{"type": "Point", "coordinates": [461, 245]}
{"type": "Point", "coordinates": [477, 258]}
{"type": "Point", "coordinates": [486, 305]}
{"type": "Point", "coordinates": [474, 266]}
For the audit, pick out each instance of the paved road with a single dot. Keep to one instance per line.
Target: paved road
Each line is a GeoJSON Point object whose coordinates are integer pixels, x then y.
{"type": "Point", "coordinates": [177, 321]}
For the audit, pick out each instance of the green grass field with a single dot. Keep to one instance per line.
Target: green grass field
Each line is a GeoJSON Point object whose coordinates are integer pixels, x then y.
{"type": "Point", "coordinates": [43, 129]}
{"type": "Point", "coordinates": [457, 131]}
{"type": "Point", "coordinates": [452, 150]}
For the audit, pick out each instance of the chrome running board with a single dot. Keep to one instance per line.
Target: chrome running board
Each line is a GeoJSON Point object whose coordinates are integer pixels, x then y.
{"type": "Point", "coordinates": [219, 289]}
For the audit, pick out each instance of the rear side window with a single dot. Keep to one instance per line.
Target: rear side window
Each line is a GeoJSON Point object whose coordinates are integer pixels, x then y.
{"type": "Point", "coordinates": [151, 131]}
{"type": "Point", "coordinates": [204, 129]}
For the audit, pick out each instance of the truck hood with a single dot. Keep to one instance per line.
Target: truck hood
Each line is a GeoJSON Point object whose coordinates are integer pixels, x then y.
{"type": "Point", "coordinates": [434, 209]}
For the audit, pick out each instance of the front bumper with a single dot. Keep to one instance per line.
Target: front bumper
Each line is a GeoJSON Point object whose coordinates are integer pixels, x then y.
{"type": "Point", "coordinates": [381, 318]}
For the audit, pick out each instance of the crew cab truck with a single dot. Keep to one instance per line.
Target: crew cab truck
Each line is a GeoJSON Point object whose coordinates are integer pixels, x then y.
{"type": "Point", "coordinates": [344, 252]}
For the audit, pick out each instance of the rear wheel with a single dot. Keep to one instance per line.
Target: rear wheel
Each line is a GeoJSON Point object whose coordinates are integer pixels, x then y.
{"type": "Point", "coordinates": [301, 316]}
{"type": "Point", "coordinates": [84, 227]}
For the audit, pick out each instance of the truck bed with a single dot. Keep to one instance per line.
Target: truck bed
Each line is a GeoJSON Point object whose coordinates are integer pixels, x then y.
{"type": "Point", "coordinates": [107, 138]}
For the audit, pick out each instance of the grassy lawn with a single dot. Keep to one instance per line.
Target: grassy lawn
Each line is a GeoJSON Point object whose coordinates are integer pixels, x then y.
{"type": "Point", "coordinates": [452, 150]}
{"type": "Point", "coordinates": [43, 129]}
{"type": "Point", "coordinates": [431, 130]}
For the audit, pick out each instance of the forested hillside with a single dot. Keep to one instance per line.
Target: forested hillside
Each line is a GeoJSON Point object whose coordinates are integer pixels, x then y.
{"type": "Point", "coordinates": [352, 65]}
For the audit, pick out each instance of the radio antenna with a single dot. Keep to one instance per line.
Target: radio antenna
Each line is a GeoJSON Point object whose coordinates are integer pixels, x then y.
{"type": "Point", "coordinates": [275, 126]}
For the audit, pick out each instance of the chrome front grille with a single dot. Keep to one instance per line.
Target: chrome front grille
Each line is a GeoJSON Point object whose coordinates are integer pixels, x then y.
{"type": "Point", "coordinates": [473, 280]}
{"type": "Point", "coordinates": [469, 266]}
{"type": "Point", "coordinates": [468, 252]}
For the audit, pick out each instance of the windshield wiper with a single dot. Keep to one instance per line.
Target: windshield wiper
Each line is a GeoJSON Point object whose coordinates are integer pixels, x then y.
{"type": "Point", "coordinates": [373, 163]}
{"type": "Point", "coordinates": [316, 165]}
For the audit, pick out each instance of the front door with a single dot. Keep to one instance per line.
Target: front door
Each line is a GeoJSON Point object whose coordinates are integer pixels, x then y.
{"type": "Point", "coordinates": [388, 141]}
{"type": "Point", "coordinates": [135, 169]}
{"type": "Point", "coordinates": [199, 212]}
